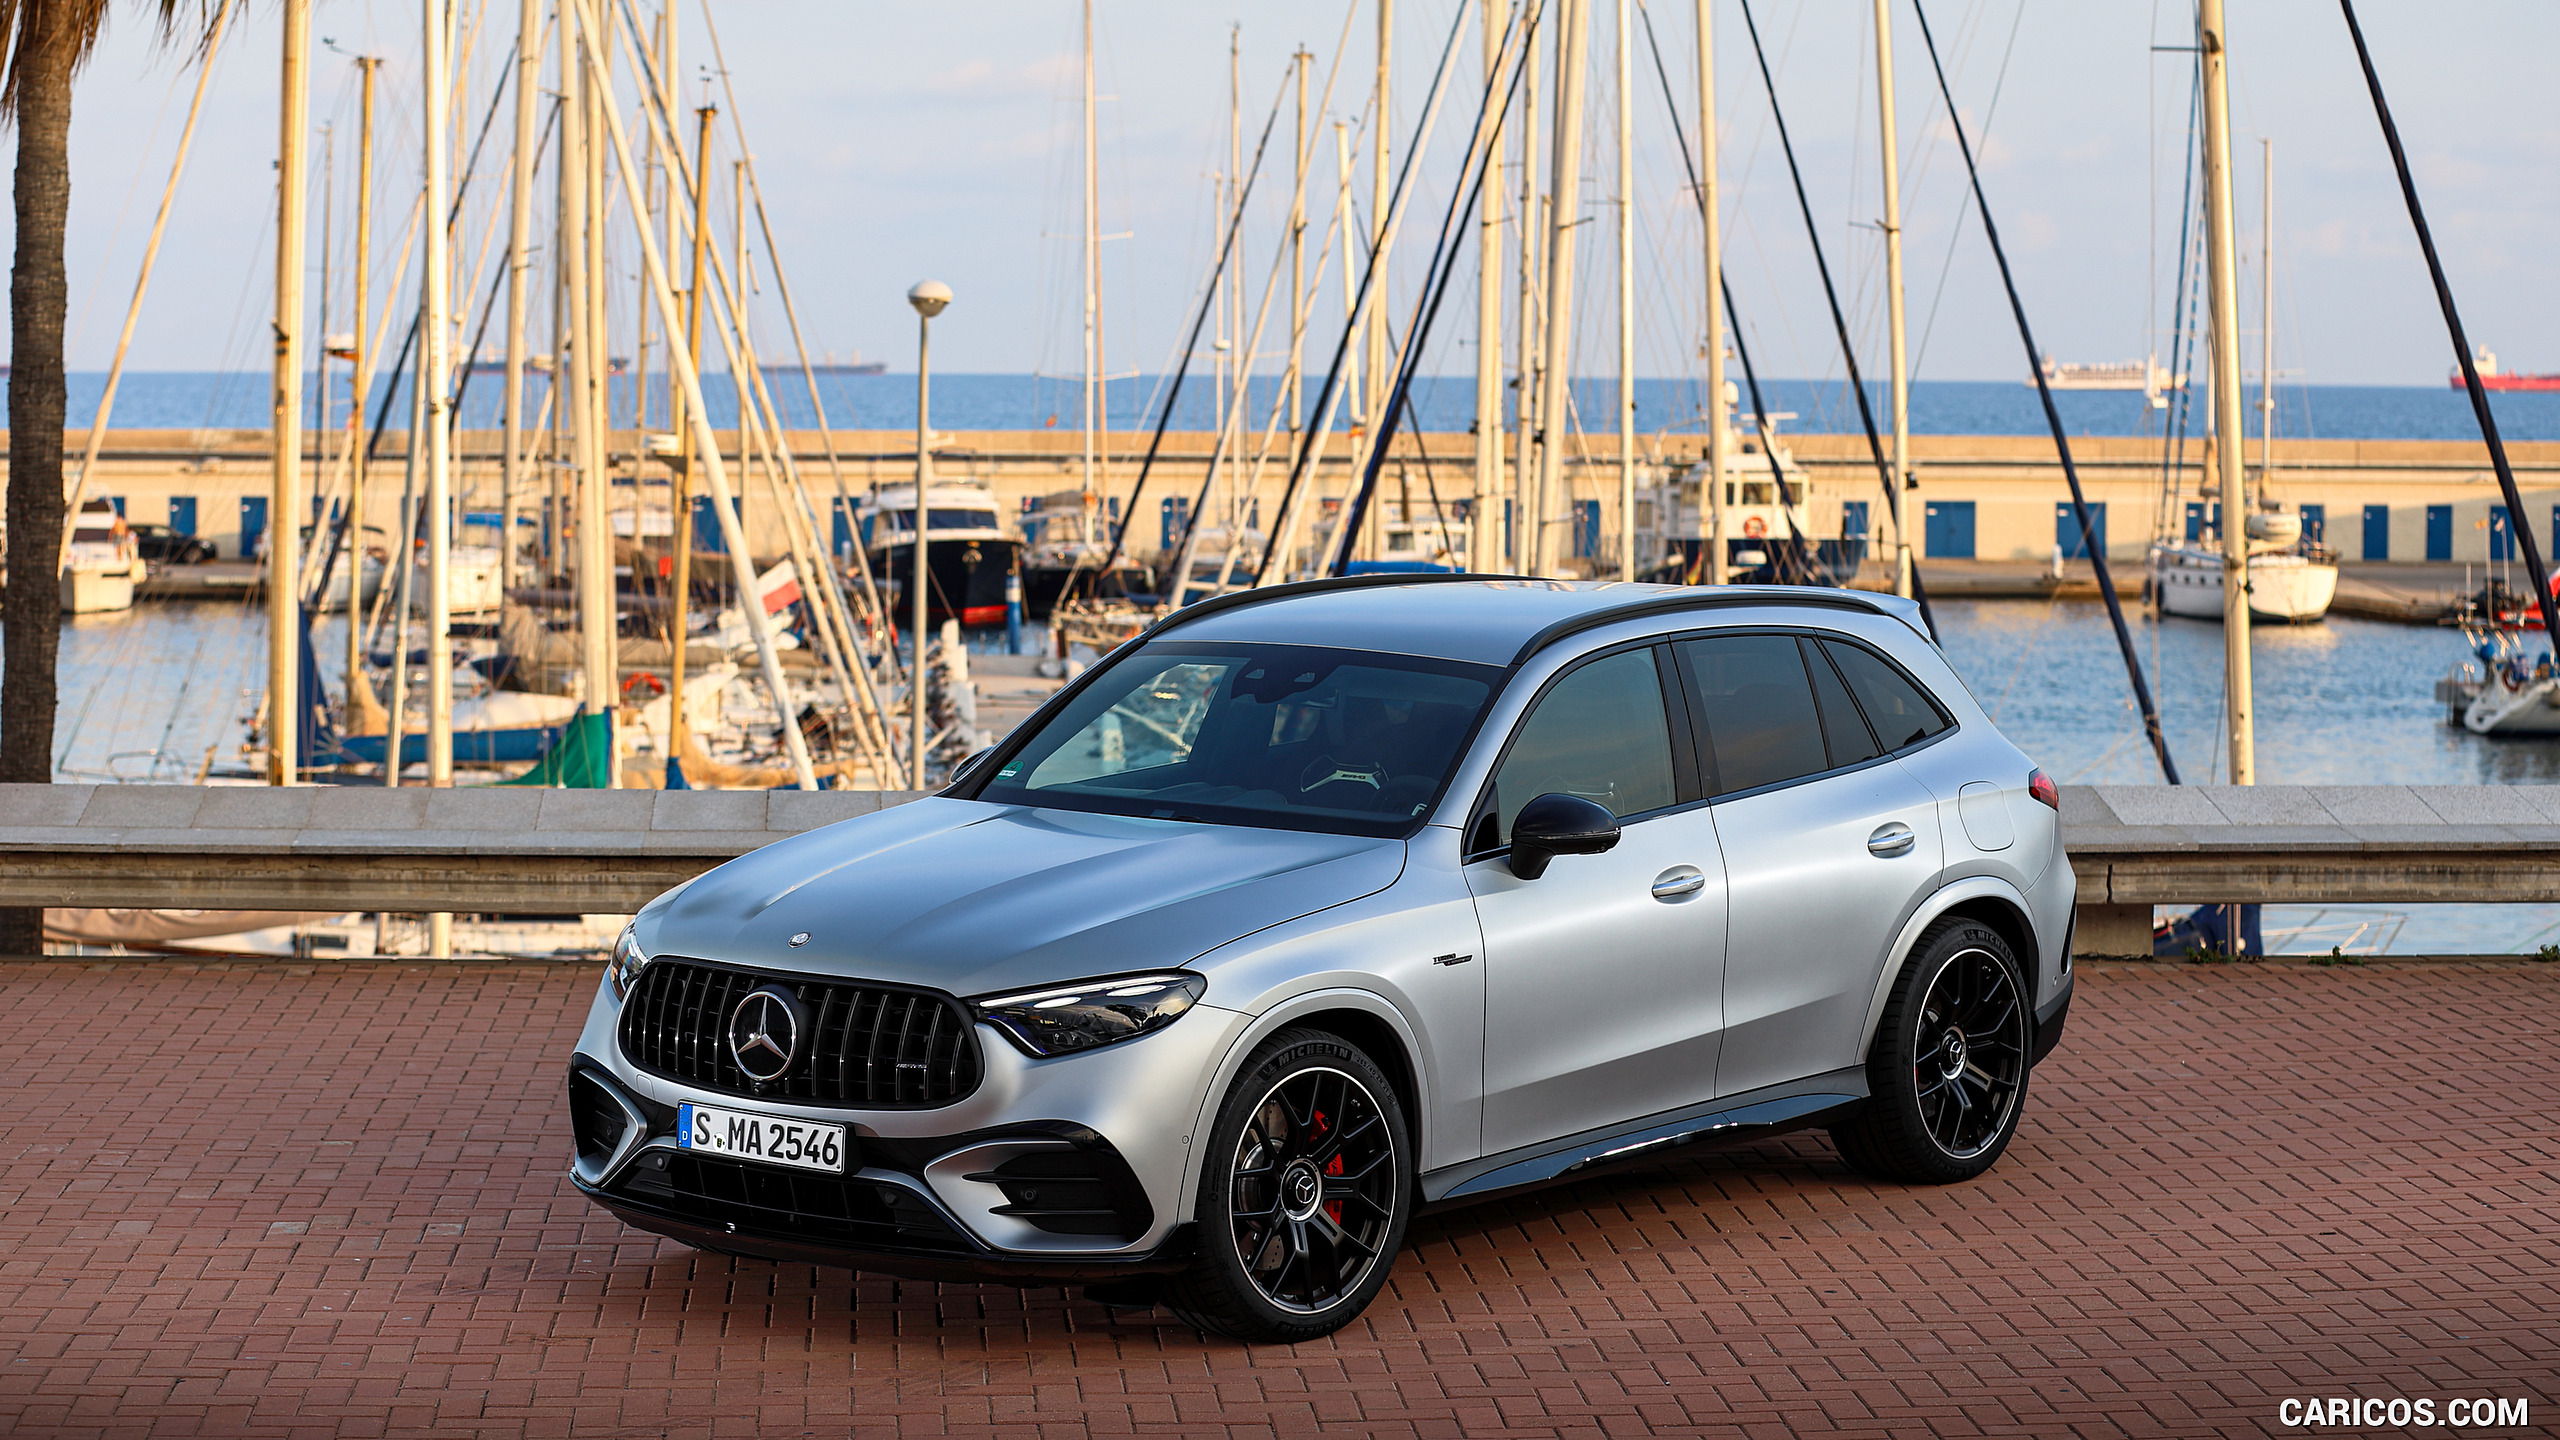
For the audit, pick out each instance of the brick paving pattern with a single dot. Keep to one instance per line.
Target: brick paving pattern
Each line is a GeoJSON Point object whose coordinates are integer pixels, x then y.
{"type": "Point", "coordinates": [243, 1200]}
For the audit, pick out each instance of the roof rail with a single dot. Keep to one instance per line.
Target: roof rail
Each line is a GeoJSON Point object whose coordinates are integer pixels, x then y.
{"type": "Point", "coordinates": [1710, 597]}
{"type": "Point", "coordinates": [1237, 599]}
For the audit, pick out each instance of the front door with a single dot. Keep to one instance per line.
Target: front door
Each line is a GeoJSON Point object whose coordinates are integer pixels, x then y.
{"type": "Point", "coordinates": [1603, 977]}
{"type": "Point", "coordinates": [1828, 845]}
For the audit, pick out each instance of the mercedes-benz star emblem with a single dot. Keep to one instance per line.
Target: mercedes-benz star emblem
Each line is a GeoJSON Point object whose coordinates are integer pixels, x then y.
{"type": "Point", "coordinates": [764, 1033]}
{"type": "Point", "coordinates": [800, 939]}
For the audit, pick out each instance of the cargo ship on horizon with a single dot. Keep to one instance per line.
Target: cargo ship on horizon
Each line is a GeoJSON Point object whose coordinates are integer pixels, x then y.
{"type": "Point", "coordinates": [2492, 379]}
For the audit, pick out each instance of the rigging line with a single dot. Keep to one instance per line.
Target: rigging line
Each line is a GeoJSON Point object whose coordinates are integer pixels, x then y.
{"type": "Point", "coordinates": [1734, 327]}
{"type": "Point", "coordinates": [2173, 432]}
{"type": "Point", "coordinates": [2521, 531]}
{"type": "Point", "coordinates": [1892, 483]}
{"type": "Point", "coordinates": [1435, 285]}
{"type": "Point", "coordinates": [1325, 408]}
{"type": "Point", "coordinates": [1209, 298]}
{"type": "Point", "coordinates": [2053, 418]}
{"type": "Point", "coordinates": [1955, 232]}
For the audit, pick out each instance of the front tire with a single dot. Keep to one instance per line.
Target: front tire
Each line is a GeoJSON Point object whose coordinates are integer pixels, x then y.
{"type": "Point", "coordinates": [1307, 1188]}
{"type": "Point", "coordinates": [1947, 1075]}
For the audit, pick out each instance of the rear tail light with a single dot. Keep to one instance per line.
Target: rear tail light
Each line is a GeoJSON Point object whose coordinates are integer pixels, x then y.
{"type": "Point", "coordinates": [2041, 786]}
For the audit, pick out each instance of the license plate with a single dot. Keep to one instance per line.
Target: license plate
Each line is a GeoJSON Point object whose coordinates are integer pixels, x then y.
{"type": "Point", "coordinates": [794, 1143]}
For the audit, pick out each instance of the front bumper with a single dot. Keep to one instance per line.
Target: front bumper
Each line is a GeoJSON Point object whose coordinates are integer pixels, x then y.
{"type": "Point", "coordinates": [1053, 1170]}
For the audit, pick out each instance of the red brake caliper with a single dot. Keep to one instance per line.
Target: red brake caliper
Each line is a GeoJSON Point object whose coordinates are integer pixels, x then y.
{"type": "Point", "coordinates": [1332, 1167]}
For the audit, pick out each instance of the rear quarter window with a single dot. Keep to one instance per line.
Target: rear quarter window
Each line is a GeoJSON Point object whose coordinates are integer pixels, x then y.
{"type": "Point", "coordinates": [1902, 713]}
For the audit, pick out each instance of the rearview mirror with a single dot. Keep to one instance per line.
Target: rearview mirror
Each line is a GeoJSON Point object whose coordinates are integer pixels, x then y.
{"type": "Point", "coordinates": [1558, 824]}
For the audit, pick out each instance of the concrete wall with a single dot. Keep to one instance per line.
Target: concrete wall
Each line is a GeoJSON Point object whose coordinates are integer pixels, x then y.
{"type": "Point", "coordinates": [2012, 482]}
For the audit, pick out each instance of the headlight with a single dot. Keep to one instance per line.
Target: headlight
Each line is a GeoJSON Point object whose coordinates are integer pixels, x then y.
{"type": "Point", "coordinates": [623, 967]}
{"type": "Point", "coordinates": [1068, 1018]}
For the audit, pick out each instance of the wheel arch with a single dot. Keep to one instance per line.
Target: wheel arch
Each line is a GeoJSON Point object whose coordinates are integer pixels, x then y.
{"type": "Point", "coordinates": [1992, 902]}
{"type": "Point", "coordinates": [1361, 1017]}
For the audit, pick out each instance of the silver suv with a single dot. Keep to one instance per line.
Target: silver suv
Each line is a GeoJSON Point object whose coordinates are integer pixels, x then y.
{"type": "Point", "coordinates": [1318, 904]}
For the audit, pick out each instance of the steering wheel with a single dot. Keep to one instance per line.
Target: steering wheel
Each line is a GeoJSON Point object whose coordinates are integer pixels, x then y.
{"type": "Point", "coordinates": [1326, 770]}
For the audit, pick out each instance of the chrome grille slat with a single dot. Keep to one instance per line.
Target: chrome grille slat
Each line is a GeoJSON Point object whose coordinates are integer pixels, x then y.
{"type": "Point", "coordinates": [861, 1038]}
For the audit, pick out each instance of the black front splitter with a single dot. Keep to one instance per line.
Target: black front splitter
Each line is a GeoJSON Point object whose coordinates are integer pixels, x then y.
{"type": "Point", "coordinates": [978, 1267]}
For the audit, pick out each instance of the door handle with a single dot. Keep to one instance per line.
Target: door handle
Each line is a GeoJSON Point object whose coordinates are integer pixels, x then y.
{"type": "Point", "coordinates": [1892, 838]}
{"type": "Point", "coordinates": [1678, 881]}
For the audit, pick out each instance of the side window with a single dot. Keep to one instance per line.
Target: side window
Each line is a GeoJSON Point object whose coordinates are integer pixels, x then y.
{"type": "Point", "coordinates": [1752, 694]}
{"type": "Point", "coordinates": [1841, 726]}
{"type": "Point", "coordinates": [1600, 733]}
{"type": "Point", "coordinates": [1901, 713]}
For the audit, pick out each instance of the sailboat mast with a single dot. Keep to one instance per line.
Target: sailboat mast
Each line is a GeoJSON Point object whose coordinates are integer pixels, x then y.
{"type": "Point", "coordinates": [1524, 383]}
{"type": "Point", "coordinates": [1626, 293]}
{"type": "Point", "coordinates": [1295, 384]}
{"type": "Point", "coordinates": [284, 641]}
{"type": "Point", "coordinates": [1562, 190]}
{"type": "Point", "coordinates": [681, 506]}
{"type": "Point", "coordinates": [2222, 270]}
{"type": "Point", "coordinates": [528, 62]}
{"type": "Point", "coordinates": [435, 378]}
{"type": "Point", "coordinates": [1484, 535]}
{"type": "Point", "coordinates": [1092, 293]}
{"type": "Point", "coordinates": [2267, 316]}
{"type": "Point", "coordinates": [362, 356]}
{"type": "Point", "coordinates": [1893, 299]}
{"type": "Point", "coordinates": [1719, 433]}
{"type": "Point", "coordinates": [1375, 397]}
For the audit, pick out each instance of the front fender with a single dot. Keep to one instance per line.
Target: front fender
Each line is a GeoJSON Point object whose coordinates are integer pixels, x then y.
{"type": "Point", "coordinates": [1277, 1018]}
{"type": "Point", "coordinates": [1946, 898]}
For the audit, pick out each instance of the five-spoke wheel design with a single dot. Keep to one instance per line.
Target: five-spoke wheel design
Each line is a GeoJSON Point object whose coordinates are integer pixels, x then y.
{"type": "Point", "coordinates": [1314, 1191]}
{"type": "Point", "coordinates": [1973, 1054]}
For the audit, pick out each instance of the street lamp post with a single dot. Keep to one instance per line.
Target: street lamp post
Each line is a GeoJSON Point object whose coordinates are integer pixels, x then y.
{"type": "Point", "coordinates": [928, 296]}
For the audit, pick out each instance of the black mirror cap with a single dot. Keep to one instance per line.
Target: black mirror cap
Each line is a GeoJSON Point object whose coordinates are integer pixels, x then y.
{"type": "Point", "coordinates": [1558, 824]}
{"type": "Point", "coordinates": [967, 770]}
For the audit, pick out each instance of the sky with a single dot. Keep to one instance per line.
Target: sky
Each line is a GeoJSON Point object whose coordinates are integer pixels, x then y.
{"type": "Point", "coordinates": [900, 142]}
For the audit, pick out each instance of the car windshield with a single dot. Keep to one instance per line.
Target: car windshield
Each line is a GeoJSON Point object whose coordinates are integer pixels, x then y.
{"type": "Point", "coordinates": [1287, 736]}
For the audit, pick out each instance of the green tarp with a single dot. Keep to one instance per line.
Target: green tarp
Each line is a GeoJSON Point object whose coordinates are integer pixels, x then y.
{"type": "Point", "coordinates": [582, 759]}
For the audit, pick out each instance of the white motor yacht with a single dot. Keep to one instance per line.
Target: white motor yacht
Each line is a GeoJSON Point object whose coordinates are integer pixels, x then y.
{"type": "Point", "coordinates": [103, 564]}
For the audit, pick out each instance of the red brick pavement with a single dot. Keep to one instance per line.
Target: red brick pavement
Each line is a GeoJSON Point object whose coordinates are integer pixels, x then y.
{"type": "Point", "coordinates": [327, 1200]}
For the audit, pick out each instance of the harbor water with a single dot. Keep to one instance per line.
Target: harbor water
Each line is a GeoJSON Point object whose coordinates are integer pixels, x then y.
{"type": "Point", "coordinates": [161, 693]}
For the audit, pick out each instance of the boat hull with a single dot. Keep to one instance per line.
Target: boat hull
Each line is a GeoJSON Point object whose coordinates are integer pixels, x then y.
{"type": "Point", "coordinates": [98, 589]}
{"type": "Point", "coordinates": [2283, 589]}
{"type": "Point", "coordinates": [2532, 709]}
{"type": "Point", "coordinates": [967, 579]}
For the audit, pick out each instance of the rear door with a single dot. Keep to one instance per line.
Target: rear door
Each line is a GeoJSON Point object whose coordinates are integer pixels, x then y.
{"type": "Point", "coordinates": [1604, 977]}
{"type": "Point", "coordinates": [1828, 845]}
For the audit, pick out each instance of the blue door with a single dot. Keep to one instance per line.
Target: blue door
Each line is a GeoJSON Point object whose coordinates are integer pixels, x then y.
{"type": "Point", "coordinates": [2066, 528]}
{"type": "Point", "coordinates": [1853, 519]}
{"type": "Point", "coordinates": [707, 539]}
{"type": "Point", "coordinates": [2315, 524]}
{"type": "Point", "coordinates": [1173, 516]}
{"type": "Point", "coordinates": [1586, 529]}
{"type": "Point", "coordinates": [2195, 522]}
{"type": "Point", "coordinates": [842, 539]}
{"type": "Point", "coordinates": [2502, 534]}
{"type": "Point", "coordinates": [2439, 532]}
{"type": "Point", "coordinates": [1947, 530]}
{"type": "Point", "coordinates": [116, 503]}
{"type": "Point", "coordinates": [182, 514]}
{"type": "Point", "coordinates": [2377, 531]}
{"type": "Point", "coordinates": [253, 524]}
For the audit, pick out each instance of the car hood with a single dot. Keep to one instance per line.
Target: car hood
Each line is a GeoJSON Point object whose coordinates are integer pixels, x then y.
{"type": "Point", "coordinates": [973, 898]}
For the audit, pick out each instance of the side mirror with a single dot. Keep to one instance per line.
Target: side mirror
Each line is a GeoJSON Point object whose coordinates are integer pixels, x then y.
{"type": "Point", "coordinates": [1558, 824]}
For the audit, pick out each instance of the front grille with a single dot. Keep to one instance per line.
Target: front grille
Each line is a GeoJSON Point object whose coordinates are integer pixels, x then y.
{"type": "Point", "coordinates": [872, 1047]}
{"type": "Point", "coordinates": [761, 1200]}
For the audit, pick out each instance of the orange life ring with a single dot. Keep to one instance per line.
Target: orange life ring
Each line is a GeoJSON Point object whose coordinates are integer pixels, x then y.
{"type": "Point", "coordinates": [1755, 527]}
{"type": "Point", "coordinates": [656, 685]}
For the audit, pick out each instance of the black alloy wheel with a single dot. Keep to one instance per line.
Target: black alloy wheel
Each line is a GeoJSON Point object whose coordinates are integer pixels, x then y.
{"type": "Point", "coordinates": [1948, 1071]}
{"type": "Point", "coordinates": [1305, 1195]}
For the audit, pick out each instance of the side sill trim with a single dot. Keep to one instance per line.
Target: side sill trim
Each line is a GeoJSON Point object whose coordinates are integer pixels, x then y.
{"type": "Point", "coordinates": [1722, 1122]}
